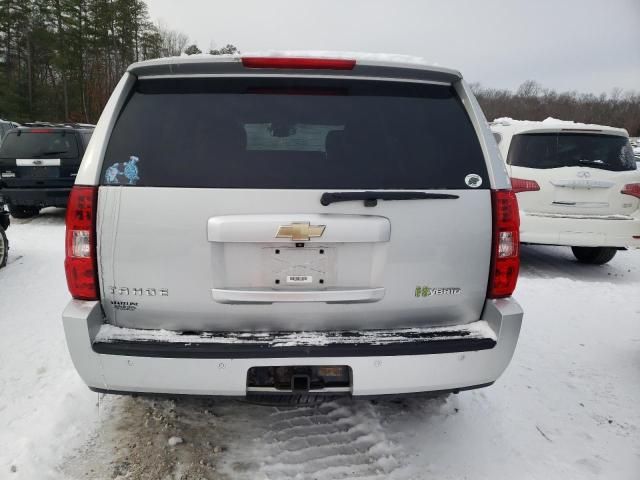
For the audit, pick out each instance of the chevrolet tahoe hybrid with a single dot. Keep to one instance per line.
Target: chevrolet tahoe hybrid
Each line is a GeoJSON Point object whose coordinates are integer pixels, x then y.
{"type": "Point", "coordinates": [291, 225]}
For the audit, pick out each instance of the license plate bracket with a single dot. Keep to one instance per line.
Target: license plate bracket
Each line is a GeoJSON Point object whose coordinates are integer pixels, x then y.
{"type": "Point", "coordinates": [296, 267]}
{"type": "Point", "coordinates": [40, 172]}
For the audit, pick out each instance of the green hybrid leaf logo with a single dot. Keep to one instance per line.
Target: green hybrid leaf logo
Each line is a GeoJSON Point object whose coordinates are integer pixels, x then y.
{"type": "Point", "coordinates": [424, 291]}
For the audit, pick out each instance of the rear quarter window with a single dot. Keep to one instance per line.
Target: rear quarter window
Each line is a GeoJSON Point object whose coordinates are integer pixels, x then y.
{"type": "Point", "coordinates": [293, 134]}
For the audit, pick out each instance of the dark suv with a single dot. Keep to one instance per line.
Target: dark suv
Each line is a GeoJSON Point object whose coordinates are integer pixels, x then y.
{"type": "Point", "coordinates": [38, 165]}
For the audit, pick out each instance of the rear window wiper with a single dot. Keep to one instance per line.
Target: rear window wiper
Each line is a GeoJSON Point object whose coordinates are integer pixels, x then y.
{"type": "Point", "coordinates": [596, 164]}
{"type": "Point", "coordinates": [371, 198]}
{"type": "Point", "coordinates": [52, 152]}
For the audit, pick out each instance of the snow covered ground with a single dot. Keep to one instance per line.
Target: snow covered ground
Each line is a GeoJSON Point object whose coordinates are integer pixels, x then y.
{"type": "Point", "coordinates": [567, 407]}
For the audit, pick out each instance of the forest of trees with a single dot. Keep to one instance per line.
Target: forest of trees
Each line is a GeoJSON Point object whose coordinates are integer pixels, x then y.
{"type": "Point", "coordinates": [60, 59]}
{"type": "Point", "coordinates": [533, 102]}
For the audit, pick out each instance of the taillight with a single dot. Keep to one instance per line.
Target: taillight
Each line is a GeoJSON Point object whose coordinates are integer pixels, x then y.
{"type": "Point", "coordinates": [632, 189]}
{"type": "Point", "coordinates": [505, 250]}
{"type": "Point", "coordinates": [299, 63]}
{"type": "Point", "coordinates": [521, 185]}
{"type": "Point", "coordinates": [80, 261]}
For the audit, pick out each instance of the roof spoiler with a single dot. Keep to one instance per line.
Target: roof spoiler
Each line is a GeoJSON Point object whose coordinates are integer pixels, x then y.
{"type": "Point", "coordinates": [302, 66]}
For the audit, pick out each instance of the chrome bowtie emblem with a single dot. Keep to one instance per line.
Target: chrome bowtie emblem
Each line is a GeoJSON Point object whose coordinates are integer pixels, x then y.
{"type": "Point", "coordinates": [300, 232]}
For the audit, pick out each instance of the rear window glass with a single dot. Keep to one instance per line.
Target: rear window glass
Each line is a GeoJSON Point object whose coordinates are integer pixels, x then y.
{"type": "Point", "coordinates": [293, 134]}
{"type": "Point", "coordinates": [555, 150]}
{"type": "Point", "coordinates": [39, 145]}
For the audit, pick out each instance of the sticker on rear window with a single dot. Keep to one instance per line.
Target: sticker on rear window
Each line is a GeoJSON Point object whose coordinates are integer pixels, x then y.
{"type": "Point", "coordinates": [473, 180]}
{"type": "Point", "coordinates": [125, 173]}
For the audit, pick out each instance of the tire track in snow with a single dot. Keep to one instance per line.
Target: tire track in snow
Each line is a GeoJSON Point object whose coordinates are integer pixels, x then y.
{"type": "Point", "coordinates": [336, 440]}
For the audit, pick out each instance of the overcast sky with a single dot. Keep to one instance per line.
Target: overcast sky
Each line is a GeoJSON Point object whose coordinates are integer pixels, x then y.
{"type": "Point", "coordinates": [584, 45]}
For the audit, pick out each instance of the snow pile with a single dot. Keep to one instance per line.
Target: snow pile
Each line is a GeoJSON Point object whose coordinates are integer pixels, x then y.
{"type": "Point", "coordinates": [348, 55]}
{"type": "Point", "coordinates": [173, 441]}
{"type": "Point", "coordinates": [551, 122]}
{"type": "Point", "coordinates": [546, 121]}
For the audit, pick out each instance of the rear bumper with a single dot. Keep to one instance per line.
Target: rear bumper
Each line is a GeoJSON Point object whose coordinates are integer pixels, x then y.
{"type": "Point", "coordinates": [579, 232]}
{"type": "Point", "coordinates": [37, 197]}
{"type": "Point", "coordinates": [216, 370]}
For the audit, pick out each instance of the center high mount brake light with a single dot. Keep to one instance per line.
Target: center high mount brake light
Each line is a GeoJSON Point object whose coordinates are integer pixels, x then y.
{"type": "Point", "coordinates": [296, 63]}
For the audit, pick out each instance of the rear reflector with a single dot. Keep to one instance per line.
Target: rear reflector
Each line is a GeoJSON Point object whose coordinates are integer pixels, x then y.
{"type": "Point", "coordinates": [80, 244]}
{"type": "Point", "coordinates": [521, 185]}
{"type": "Point", "coordinates": [299, 63]}
{"type": "Point", "coordinates": [632, 189]}
{"type": "Point", "coordinates": [505, 254]}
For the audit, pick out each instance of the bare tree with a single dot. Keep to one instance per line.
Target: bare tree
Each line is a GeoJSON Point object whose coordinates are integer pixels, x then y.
{"type": "Point", "coordinates": [533, 102]}
{"type": "Point", "coordinates": [173, 41]}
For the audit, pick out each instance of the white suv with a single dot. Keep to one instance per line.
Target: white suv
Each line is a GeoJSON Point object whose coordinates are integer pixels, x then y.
{"type": "Point", "coordinates": [578, 185]}
{"type": "Point", "coordinates": [293, 225]}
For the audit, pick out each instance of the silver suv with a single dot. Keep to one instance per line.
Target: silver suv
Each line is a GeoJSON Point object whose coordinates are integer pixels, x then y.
{"type": "Point", "coordinates": [247, 226]}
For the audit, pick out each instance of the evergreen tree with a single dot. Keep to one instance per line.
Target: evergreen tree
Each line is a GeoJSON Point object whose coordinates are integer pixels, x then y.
{"type": "Point", "coordinates": [228, 49]}
{"type": "Point", "coordinates": [61, 59]}
{"type": "Point", "coordinates": [192, 50]}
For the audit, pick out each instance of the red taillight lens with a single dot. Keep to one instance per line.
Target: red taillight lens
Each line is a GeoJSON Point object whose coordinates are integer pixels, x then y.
{"type": "Point", "coordinates": [299, 63]}
{"type": "Point", "coordinates": [632, 189]}
{"type": "Point", "coordinates": [521, 185]}
{"type": "Point", "coordinates": [80, 263]}
{"type": "Point", "coordinates": [505, 253]}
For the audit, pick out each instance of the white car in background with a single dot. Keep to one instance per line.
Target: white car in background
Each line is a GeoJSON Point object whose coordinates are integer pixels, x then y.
{"type": "Point", "coordinates": [577, 185]}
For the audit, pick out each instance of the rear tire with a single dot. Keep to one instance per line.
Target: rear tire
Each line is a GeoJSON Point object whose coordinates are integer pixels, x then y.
{"type": "Point", "coordinates": [594, 255]}
{"type": "Point", "coordinates": [4, 248]}
{"type": "Point", "coordinates": [18, 211]}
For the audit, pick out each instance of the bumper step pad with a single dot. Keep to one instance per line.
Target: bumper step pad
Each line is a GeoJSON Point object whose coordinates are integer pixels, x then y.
{"type": "Point", "coordinates": [112, 340]}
